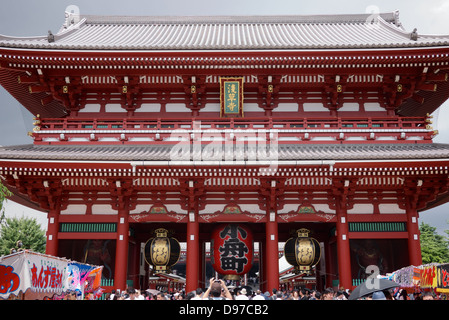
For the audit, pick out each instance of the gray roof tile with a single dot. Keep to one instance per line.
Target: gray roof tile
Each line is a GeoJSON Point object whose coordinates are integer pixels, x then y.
{"type": "Point", "coordinates": [285, 152]}
{"type": "Point", "coordinates": [230, 33]}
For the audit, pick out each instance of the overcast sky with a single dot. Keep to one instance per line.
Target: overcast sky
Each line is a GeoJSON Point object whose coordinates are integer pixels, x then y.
{"type": "Point", "coordinates": [31, 17]}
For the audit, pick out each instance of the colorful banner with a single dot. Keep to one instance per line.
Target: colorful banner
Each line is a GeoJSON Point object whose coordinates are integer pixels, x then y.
{"type": "Point", "coordinates": [429, 277]}
{"type": "Point", "coordinates": [27, 270]}
{"type": "Point", "coordinates": [83, 277]}
{"type": "Point", "coordinates": [45, 275]}
{"type": "Point", "coordinates": [231, 97]}
{"type": "Point", "coordinates": [443, 278]}
{"type": "Point", "coordinates": [404, 277]}
{"type": "Point", "coordinates": [13, 279]}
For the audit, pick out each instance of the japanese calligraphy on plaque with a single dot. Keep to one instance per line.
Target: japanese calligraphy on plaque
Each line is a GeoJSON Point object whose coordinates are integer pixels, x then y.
{"type": "Point", "coordinates": [231, 97]}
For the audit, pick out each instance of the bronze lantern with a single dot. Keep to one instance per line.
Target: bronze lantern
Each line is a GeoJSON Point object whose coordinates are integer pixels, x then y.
{"type": "Point", "coordinates": [302, 252]}
{"type": "Point", "coordinates": [162, 251]}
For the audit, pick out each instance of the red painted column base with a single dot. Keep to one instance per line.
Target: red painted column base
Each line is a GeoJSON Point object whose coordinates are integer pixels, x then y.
{"type": "Point", "coordinates": [51, 247]}
{"type": "Point", "coordinates": [414, 245]}
{"type": "Point", "coordinates": [344, 252]}
{"type": "Point", "coordinates": [271, 256]}
{"type": "Point", "coordinates": [121, 255]}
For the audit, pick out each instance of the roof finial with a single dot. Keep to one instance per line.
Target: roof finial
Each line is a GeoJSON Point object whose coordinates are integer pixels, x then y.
{"type": "Point", "coordinates": [50, 37]}
{"type": "Point", "coordinates": [72, 15]}
{"type": "Point", "coordinates": [414, 35]}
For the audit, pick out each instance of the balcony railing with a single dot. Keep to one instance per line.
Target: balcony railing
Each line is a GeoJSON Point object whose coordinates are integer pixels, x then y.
{"type": "Point", "coordinates": [293, 130]}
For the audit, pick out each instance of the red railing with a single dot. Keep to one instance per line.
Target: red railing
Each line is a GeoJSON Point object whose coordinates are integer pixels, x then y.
{"type": "Point", "coordinates": [303, 129]}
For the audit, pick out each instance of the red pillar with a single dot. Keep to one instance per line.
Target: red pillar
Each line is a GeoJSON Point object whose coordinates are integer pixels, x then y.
{"type": "Point", "coordinates": [121, 253]}
{"type": "Point", "coordinates": [414, 245]}
{"type": "Point", "coordinates": [343, 249]}
{"type": "Point", "coordinates": [262, 264]}
{"type": "Point", "coordinates": [52, 232]}
{"type": "Point", "coordinates": [192, 255]}
{"type": "Point", "coordinates": [271, 253]}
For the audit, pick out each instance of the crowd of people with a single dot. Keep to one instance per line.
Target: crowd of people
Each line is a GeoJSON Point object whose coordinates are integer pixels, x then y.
{"type": "Point", "coordinates": [218, 290]}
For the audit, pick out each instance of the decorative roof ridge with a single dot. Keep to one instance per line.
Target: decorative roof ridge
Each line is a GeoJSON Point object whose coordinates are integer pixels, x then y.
{"type": "Point", "coordinates": [396, 28]}
{"type": "Point", "coordinates": [250, 19]}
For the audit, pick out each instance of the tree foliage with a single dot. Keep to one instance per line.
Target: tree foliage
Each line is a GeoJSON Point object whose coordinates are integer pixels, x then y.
{"type": "Point", "coordinates": [4, 193]}
{"type": "Point", "coordinates": [25, 229]}
{"type": "Point", "coordinates": [434, 247]}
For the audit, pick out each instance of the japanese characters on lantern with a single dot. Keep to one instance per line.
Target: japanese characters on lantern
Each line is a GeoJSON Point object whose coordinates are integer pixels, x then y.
{"type": "Point", "coordinates": [162, 251]}
{"type": "Point", "coordinates": [232, 250]}
{"type": "Point", "coordinates": [302, 252]}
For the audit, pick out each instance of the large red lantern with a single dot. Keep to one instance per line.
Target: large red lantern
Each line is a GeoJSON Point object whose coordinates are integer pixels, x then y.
{"type": "Point", "coordinates": [232, 250]}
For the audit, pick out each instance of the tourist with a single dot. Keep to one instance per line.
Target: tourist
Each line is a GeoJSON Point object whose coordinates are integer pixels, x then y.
{"type": "Point", "coordinates": [178, 296]}
{"type": "Point", "coordinates": [340, 295]}
{"type": "Point", "coordinates": [131, 292]}
{"type": "Point", "coordinates": [403, 295]}
{"type": "Point", "coordinates": [160, 296]}
{"type": "Point", "coordinates": [378, 295]}
{"type": "Point", "coordinates": [241, 294]}
{"type": "Point", "coordinates": [303, 294]}
{"type": "Point", "coordinates": [197, 294]}
{"type": "Point", "coordinates": [295, 295]}
{"type": "Point", "coordinates": [427, 296]}
{"type": "Point", "coordinates": [273, 294]}
{"type": "Point", "coordinates": [388, 295]}
{"type": "Point", "coordinates": [217, 290]}
{"type": "Point", "coordinates": [112, 295]}
{"type": "Point", "coordinates": [139, 295]}
{"type": "Point", "coordinates": [316, 295]}
{"type": "Point", "coordinates": [328, 294]}
{"type": "Point", "coordinates": [259, 296]}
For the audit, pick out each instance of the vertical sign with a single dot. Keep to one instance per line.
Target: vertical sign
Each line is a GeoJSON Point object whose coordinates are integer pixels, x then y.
{"type": "Point", "coordinates": [231, 97]}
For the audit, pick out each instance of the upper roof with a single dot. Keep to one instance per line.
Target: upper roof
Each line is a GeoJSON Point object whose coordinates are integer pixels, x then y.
{"type": "Point", "coordinates": [89, 32]}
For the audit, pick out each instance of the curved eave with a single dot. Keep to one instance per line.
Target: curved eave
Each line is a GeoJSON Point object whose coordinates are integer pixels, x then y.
{"type": "Point", "coordinates": [32, 102]}
{"type": "Point", "coordinates": [440, 200]}
{"type": "Point", "coordinates": [13, 62]}
{"type": "Point", "coordinates": [42, 45]}
{"type": "Point", "coordinates": [23, 199]}
{"type": "Point", "coordinates": [337, 57]}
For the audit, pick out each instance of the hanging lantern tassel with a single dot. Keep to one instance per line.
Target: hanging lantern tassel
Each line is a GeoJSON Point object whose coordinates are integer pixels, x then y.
{"type": "Point", "coordinates": [302, 252]}
{"type": "Point", "coordinates": [162, 251]}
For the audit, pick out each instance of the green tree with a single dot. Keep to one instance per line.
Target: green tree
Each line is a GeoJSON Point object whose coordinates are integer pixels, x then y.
{"type": "Point", "coordinates": [4, 193]}
{"type": "Point", "coordinates": [25, 229]}
{"type": "Point", "coordinates": [434, 247]}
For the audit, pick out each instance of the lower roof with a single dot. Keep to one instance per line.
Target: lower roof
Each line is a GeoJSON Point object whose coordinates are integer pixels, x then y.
{"type": "Point", "coordinates": [285, 152]}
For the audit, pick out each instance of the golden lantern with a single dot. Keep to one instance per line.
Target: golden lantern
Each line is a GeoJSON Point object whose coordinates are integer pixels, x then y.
{"type": "Point", "coordinates": [162, 251]}
{"type": "Point", "coordinates": [302, 252]}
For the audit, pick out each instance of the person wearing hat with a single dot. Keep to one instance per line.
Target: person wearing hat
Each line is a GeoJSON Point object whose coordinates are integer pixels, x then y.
{"type": "Point", "coordinates": [241, 294]}
{"type": "Point", "coordinates": [378, 295]}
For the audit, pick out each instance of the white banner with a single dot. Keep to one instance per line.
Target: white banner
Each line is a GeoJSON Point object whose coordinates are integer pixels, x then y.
{"type": "Point", "coordinates": [46, 274]}
{"type": "Point", "coordinates": [29, 270]}
{"type": "Point", "coordinates": [12, 275]}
